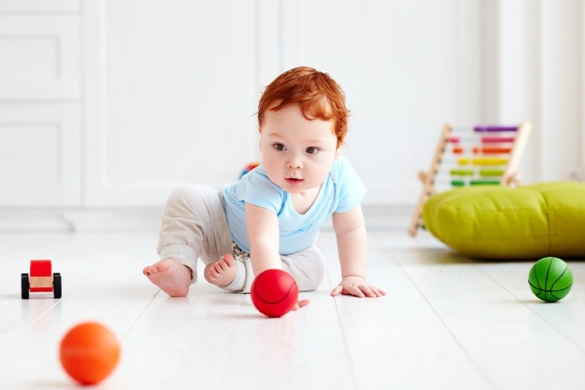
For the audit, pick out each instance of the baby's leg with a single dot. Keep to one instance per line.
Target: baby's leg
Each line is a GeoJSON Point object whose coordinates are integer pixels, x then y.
{"type": "Point", "coordinates": [193, 225]}
{"type": "Point", "coordinates": [307, 267]}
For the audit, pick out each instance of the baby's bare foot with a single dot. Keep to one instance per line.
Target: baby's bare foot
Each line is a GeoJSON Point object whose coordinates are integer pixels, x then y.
{"type": "Point", "coordinates": [222, 272]}
{"type": "Point", "coordinates": [171, 276]}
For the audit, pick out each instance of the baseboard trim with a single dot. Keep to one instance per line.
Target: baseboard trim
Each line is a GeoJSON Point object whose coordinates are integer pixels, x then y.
{"type": "Point", "coordinates": [79, 221]}
{"type": "Point", "coordinates": [148, 219]}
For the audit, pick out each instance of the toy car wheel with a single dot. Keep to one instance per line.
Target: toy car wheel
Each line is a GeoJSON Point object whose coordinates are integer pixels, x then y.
{"type": "Point", "coordinates": [57, 285]}
{"type": "Point", "coordinates": [24, 286]}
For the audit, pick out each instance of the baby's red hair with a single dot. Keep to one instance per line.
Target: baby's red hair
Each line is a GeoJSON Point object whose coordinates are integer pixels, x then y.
{"type": "Point", "coordinates": [316, 93]}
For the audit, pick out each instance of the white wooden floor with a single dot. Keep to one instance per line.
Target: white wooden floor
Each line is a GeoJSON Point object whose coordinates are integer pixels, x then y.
{"type": "Point", "coordinates": [447, 323]}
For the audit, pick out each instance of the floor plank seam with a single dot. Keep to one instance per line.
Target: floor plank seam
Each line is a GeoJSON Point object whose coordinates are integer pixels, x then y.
{"type": "Point", "coordinates": [30, 323]}
{"type": "Point", "coordinates": [535, 312]}
{"type": "Point", "coordinates": [139, 316]}
{"type": "Point", "coordinates": [231, 353]}
{"type": "Point", "coordinates": [346, 346]}
{"type": "Point", "coordinates": [343, 335]}
{"type": "Point", "coordinates": [457, 341]}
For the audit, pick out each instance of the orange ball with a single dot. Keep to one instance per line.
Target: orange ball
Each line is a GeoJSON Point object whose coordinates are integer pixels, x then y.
{"type": "Point", "coordinates": [89, 352]}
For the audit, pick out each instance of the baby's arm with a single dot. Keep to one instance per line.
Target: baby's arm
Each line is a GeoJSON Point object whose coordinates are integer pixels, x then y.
{"type": "Point", "coordinates": [352, 245]}
{"type": "Point", "coordinates": [263, 235]}
{"type": "Point", "coordinates": [262, 228]}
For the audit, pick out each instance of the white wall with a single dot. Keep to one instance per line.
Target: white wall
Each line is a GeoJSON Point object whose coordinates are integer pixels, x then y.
{"type": "Point", "coordinates": [406, 67]}
{"type": "Point", "coordinates": [105, 106]}
{"type": "Point", "coordinates": [540, 77]}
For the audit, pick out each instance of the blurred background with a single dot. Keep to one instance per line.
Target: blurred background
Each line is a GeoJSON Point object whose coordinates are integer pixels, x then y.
{"type": "Point", "coordinates": [107, 105]}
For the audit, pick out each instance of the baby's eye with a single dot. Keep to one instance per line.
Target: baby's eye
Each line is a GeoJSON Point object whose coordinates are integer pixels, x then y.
{"type": "Point", "coordinates": [279, 147]}
{"type": "Point", "coordinates": [312, 150]}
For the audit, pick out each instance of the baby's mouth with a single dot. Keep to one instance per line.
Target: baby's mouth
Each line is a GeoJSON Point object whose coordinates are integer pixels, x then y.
{"type": "Point", "coordinates": [292, 180]}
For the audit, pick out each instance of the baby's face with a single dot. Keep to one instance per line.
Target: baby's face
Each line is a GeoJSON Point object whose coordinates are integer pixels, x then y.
{"type": "Point", "coordinates": [297, 153]}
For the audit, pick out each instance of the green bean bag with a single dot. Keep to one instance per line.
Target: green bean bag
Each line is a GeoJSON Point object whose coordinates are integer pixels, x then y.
{"type": "Point", "coordinates": [530, 222]}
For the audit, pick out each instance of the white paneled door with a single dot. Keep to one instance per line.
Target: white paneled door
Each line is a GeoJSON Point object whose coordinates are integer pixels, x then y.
{"type": "Point", "coordinates": [171, 96]}
{"type": "Point", "coordinates": [39, 57]}
{"type": "Point", "coordinates": [40, 92]}
{"type": "Point", "coordinates": [40, 156]}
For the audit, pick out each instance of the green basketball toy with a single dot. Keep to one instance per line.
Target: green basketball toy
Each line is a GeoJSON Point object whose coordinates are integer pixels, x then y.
{"type": "Point", "coordinates": [550, 279]}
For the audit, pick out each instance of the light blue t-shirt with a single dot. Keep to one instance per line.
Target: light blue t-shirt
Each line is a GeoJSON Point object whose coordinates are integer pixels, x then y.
{"type": "Point", "coordinates": [341, 192]}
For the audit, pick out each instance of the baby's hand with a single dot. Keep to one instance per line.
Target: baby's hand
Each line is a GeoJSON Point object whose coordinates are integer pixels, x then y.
{"type": "Point", "coordinates": [357, 286]}
{"type": "Point", "coordinates": [300, 303]}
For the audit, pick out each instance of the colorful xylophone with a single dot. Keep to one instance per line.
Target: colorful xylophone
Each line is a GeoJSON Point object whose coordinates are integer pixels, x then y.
{"type": "Point", "coordinates": [480, 155]}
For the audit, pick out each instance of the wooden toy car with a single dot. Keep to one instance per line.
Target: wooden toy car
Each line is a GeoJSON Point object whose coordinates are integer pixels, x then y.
{"type": "Point", "coordinates": [41, 279]}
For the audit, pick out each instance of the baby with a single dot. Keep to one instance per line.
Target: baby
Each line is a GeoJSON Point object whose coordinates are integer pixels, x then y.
{"type": "Point", "coordinates": [271, 217]}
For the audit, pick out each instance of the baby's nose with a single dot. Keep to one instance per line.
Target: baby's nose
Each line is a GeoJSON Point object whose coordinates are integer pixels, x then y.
{"type": "Point", "coordinates": [294, 163]}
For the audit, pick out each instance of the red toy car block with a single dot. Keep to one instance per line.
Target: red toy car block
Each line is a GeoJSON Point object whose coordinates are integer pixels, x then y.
{"type": "Point", "coordinates": [41, 279]}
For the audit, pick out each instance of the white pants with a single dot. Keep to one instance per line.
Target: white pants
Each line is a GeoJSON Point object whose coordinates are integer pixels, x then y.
{"type": "Point", "coordinates": [194, 226]}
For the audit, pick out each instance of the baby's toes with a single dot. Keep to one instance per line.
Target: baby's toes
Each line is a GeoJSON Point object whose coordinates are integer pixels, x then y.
{"type": "Point", "coordinates": [220, 266]}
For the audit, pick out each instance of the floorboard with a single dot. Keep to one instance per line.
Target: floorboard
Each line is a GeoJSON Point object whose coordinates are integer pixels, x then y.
{"type": "Point", "coordinates": [448, 322]}
{"type": "Point", "coordinates": [178, 342]}
{"type": "Point", "coordinates": [566, 316]}
{"type": "Point", "coordinates": [398, 341]}
{"type": "Point", "coordinates": [301, 350]}
{"type": "Point", "coordinates": [513, 345]}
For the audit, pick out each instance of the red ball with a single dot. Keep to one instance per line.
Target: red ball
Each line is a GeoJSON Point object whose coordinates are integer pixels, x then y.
{"type": "Point", "coordinates": [274, 292]}
{"type": "Point", "coordinates": [89, 352]}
